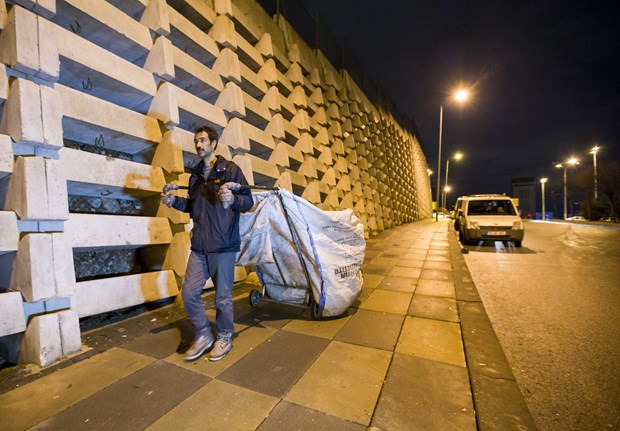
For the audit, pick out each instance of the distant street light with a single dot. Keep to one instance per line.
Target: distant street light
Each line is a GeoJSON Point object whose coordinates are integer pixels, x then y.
{"type": "Point", "coordinates": [542, 186]}
{"type": "Point", "coordinates": [570, 162]}
{"type": "Point", "coordinates": [457, 157]}
{"type": "Point", "coordinates": [446, 189]}
{"type": "Point", "coordinates": [594, 152]}
{"type": "Point", "coordinates": [460, 96]}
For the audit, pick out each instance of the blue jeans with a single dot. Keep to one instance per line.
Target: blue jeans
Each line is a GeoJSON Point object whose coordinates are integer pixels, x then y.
{"type": "Point", "coordinates": [220, 267]}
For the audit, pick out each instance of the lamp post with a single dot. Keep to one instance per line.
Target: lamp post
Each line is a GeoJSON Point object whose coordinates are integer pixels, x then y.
{"type": "Point", "coordinates": [460, 96]}
{"type": "Point", "coordinates": [458, 156]}
{"type": "Point", "coordinates": [594, 152]}
{"type": "Point", "coordinates": [439, 164]}
{"type": "Point", "coordinates": [570, 162]}
{"type": "Point", "coordinates": [542, 186]}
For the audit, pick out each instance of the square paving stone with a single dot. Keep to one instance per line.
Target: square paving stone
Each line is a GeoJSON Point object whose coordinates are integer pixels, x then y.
{"type": "Point", "coordinates": [401, 284]}
{"type": "Point", "coordinates": [372, 280]}
{"type": "Point", "coordinates": [411, 263]}
{"type": "Point", "coordinates": [276, 364]}
{"type": "Point", "coordinates": [365, 293]}
{"type": "Point", "coordinates": [132, 403]}
{"type": "Point", "coordinates": [439, 247]}
{"type": "Point", "coordinates": [434, 307]}
{"type": "Point", "coordinates": [163, 342]}
{"type": "Point", "coordinates": [396, 252]}
{"type": "Point", "coordinates": [371, 254]}
{"type": "Point", "coordinates": [436, 288]}
{"type": "Point", "coordinates": [436, 274]}
{"type": "Point", "coordinates": [324, 328]}
{"type": "Point", "coordinates": [425, 395]}
{"type": "Point", "coordinates": [218, 406]}
{"type": "Point", "coordinates": [372, 329]}
{"type": "Point", "coordinates": [414, 254]}
{"type": "Point", "coordinates": [246, 338]}
{"type": "Point", "coordinates": [432, 339]}
{"type": "Point", "coordinates": [439, 244]}
{"type": "Point", "coordinates": [385, 261]}
{"type": "Point", "coordinates": [342, 382]}
{"type": "Point", "coordinates": [438, 258]}
{"type": "Point", "coordinates": [387, 301]}
{"type": "Point", "coordinates": [370, 242]}
{"type": "Point", "coordinates": [399, 271]}
{"type": "Point", "coordinates": [372, 268]}
{"type": "Point", "coordinates": [289, 416]}
{"type": "Point", "coordinates": [67, 387]}
{"type": "Point", "coordinates": [270, 315]}
{"type": "Point", "coordinates": [391, 254]}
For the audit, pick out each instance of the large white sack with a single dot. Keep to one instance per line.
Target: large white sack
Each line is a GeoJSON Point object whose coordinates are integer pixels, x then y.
{"type": "Point", "coordinates": [329, 243]}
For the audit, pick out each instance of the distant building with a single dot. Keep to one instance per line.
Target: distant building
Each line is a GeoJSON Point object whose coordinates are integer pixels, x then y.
{"type": "Point", "coordinates": [524, 189]}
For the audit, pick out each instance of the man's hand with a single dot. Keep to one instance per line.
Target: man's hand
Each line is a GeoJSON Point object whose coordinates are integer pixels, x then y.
{"type": "Point", "coordinates": [169, 187]}
{"type": "Point", "coordinates": [226, 196]}
{"type": "Point", "coordinates": [167, 199]}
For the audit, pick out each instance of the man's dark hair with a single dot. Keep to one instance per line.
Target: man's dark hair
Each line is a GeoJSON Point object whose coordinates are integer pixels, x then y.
{"type": "Point", "coordinates": [211, 132]}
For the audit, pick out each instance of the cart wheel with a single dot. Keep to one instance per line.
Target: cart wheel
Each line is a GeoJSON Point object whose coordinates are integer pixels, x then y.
{"type": "Point", "coordinates": [254, 298]}
{"type": "Point", "coordinates": [314, 310]}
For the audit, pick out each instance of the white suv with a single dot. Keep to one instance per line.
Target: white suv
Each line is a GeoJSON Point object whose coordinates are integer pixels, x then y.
{"type": "Point", "coordinates": [489, 218]}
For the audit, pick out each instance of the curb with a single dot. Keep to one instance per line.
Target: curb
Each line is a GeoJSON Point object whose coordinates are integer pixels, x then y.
{"type": "Point", "coordinates": [498, 401]}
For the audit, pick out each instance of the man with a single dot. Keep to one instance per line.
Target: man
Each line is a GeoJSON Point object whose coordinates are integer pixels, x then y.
{"type": "Point", "coordinates": [215, 242]}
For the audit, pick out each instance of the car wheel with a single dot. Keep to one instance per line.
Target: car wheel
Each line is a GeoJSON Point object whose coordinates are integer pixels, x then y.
{"type": "Point", "coordinates": [517, 244]}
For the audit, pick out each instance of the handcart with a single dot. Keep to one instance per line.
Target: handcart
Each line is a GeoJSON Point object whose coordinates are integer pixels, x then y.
{"type": "Point", "coordinates": [309, 301]}
{"type": "Point", "coordinates": [303, 256]}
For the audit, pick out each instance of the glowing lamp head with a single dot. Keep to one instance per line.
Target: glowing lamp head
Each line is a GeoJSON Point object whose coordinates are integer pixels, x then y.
{"type": "Point", "coordinates": [461, 95]}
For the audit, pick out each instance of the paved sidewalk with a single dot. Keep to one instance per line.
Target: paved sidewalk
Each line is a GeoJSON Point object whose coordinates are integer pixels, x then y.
{"type": "Point", "coordinates": [415, 352]}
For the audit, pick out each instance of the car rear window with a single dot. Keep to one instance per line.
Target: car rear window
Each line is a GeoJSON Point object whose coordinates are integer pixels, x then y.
{"type": "Point", "coordinates": [491, 207]}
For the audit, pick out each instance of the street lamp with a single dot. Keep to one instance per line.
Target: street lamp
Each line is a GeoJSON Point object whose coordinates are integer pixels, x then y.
{"type": "Point", "coordinates": [594, 152]}
{"type": "Point", "coordinates": [542, 186]}
{"type": "Point", "coordinates": [457, 157]}
{"type": "Point", "coordinates": [446, 189]}
{"type": "Point", "coordinates": [460, 96]}
{"type": "Point", "coordinates": [570, 162]}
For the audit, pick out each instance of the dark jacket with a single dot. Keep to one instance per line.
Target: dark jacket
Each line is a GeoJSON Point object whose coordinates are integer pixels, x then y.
{"type": "Point", "coordinates": [216, 229]}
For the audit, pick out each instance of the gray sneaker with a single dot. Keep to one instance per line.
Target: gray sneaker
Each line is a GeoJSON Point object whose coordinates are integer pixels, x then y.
{"type": "Point", "coordinates": [222, 347]}
{"type": "Point", "coordinates": [200, 344]}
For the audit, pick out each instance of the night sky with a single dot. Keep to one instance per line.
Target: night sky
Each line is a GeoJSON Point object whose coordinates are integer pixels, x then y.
{"type": "Point", "coordinates": [545, 76]}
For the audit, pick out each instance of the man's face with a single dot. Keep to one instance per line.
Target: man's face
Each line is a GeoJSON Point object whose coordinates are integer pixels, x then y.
{"type": "Point", "coordinates": [204, 147]}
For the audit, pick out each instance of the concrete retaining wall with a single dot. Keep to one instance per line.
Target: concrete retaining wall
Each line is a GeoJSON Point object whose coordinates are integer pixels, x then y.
{"type": "Point", "coordinates": [136, 77]}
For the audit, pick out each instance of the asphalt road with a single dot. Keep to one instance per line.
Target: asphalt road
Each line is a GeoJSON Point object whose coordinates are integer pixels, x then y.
{"type": "Point", "coordinates": [555, 306]}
